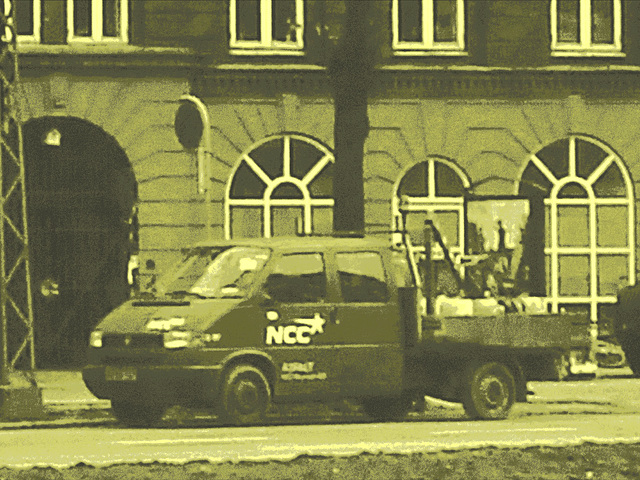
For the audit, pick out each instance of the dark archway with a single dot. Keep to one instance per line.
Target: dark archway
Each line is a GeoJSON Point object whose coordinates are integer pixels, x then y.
{"type": "Point", "coordinates": [81, 192]}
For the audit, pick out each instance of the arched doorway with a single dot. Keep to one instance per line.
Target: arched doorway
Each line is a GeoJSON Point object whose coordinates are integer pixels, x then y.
{"type": "Point", "coordinates": [81, 193]}
{"type": "Point", "coordinates": [582, 194]}
{"type": "Point", "coordinates": [282, 185]}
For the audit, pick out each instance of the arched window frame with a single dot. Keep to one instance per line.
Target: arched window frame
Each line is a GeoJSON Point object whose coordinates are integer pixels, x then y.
{"type": "Point", "coordinates": [307, 202]}
{"type": "Point", "coordinates": [553, 250]}
{"type": "Point", "coordinates": [433, 204]}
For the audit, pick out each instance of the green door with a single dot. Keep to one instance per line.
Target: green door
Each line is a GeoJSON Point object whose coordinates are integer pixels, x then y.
{"type": "Point", "coordinates": [298, 335]}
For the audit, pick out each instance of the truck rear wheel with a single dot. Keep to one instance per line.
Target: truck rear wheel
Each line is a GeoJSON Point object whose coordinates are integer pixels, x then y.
{"type": "Point", "coordinates": [489, 391]}
{"type": "Point", "coordinates": [245, 396]}
{"type": "Point", "coordinates": [387, 408]}
{"type": "Point", "coordinates": [137, 414]}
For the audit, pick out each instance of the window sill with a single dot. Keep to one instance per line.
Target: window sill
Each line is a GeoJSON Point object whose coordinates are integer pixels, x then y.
{"type": "Point", "coordinates": [588, 53]}
{"type": "Point", "coordinates": [267, 52]}
{"type": "Point", "coordinates": [431, 53]}
{"type": "Point", "coordinates": [94, 48]}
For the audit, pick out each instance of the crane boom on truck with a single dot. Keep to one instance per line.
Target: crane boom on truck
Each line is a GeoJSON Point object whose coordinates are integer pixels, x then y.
{"type": "Point", "coordinates": [241, 324]}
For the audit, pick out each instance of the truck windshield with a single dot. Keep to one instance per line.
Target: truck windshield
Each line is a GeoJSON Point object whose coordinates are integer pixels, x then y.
{"type": "Point", "coordinates": [211, 273]}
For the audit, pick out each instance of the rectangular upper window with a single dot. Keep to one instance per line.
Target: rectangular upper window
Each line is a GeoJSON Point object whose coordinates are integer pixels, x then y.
{"type": "Point", "coordinates": [586, 27]}
{"type": "Point", "coordinates": [266, 27]}
{"type": "Point", "coordinates": [431, 27]}
{"type": "Point", "coordinates": [97, 21]}
{"type": "Point", "coordinates": [27, 18]}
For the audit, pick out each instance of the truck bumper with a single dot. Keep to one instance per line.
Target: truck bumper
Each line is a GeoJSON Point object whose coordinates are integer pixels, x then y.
{"type": "Point", "coordinates": [168, 385]}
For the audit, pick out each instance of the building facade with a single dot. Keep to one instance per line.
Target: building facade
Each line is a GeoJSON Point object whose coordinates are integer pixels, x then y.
{"type": "Point", "coordinates": [478, 107]}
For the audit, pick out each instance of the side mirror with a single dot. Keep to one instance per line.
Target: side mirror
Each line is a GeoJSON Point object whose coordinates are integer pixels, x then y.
{"type": "Point", "coordinates": [264, 299]}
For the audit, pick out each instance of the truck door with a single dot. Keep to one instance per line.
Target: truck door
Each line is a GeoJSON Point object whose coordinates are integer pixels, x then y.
{"type": "Point", "coordinates": [367, 323]}
{"type": "Point", "coordinates": [298, 315]}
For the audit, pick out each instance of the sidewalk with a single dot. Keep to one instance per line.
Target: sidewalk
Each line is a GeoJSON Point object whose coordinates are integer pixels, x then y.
{"type": "Point", "coordinates": [66, 401]}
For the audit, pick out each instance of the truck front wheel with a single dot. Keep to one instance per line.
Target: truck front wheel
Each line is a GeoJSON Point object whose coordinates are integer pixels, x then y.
{"type": "Point", "coordinates": [489, 391]}
{"type": "Point", "coordinates": [245, 396]}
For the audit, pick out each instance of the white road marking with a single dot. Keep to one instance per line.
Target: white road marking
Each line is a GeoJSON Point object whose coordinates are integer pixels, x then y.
{"type": "Point", "coordinates": [179, 441]}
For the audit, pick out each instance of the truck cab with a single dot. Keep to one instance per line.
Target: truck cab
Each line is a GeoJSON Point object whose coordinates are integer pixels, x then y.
{"type": "Point", "coordinates": [239, 324]}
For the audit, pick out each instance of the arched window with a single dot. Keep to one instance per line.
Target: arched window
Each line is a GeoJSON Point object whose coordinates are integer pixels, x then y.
{"type": "Point", "coordinates": [433, 189]}
{"type": "Point", "coordinates": [282, 185]}
{"type": "Point", "coordinates": [587, 196]}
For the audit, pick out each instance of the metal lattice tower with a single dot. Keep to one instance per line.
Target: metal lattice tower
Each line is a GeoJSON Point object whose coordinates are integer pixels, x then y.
{"type": "Point", "coordinates": [16, 305]}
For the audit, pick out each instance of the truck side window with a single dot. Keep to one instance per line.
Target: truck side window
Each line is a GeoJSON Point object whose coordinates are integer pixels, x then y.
{"type": "Point", "coordinates": [361, 277]}
{"type": "Point", "coordinates": [298, 278]}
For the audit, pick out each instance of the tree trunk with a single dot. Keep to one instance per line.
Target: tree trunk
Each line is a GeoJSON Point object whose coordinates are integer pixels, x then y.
{"type": "Point", "coordinates": [350, 71]}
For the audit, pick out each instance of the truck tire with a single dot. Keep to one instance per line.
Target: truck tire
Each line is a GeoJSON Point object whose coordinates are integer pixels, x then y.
{"type": "Point", "coordinates": [489, 391]}
{"type": "Point", "coordinates": [137, 414]}
{"type": "Point", "coordinates": [246, 396]}
{"type": "Point", "coordinates": [387, 408]}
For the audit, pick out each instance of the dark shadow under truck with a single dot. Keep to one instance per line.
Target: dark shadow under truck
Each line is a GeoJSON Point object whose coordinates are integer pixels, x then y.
{"type": "Point", "coordinates": [240, 324]}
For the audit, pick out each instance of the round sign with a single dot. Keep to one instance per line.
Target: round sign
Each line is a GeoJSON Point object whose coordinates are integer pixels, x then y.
{"type": "Point", "coordinates": [188, 125]}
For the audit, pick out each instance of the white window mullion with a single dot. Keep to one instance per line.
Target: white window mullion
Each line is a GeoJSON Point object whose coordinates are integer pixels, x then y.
{"type": "Point", "coordinates": [585, 23]}
{"type": "Point", "coordinates": [266, 30]}
{"type": "Point", "coordinates": [572, 156]}
{"type": "Point", "coordinates": [428, 28]}
{"type": "Point", "coordinates": [617, 24]}
{"type": "Point", "coordinates": [593, 240]}
{"type": "Point", "coordinates": [554, 255]}
{"type": "Point", "coordinates": [460, 24]}
{"type": "Point", "coordinates": [96, 20]}
{"type": "Point", "coordinates": [431, 179]}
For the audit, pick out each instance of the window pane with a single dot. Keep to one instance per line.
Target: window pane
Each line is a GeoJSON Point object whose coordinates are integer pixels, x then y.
{"type": "Point", "coordinates": [284, 20]}
{"type": "Point", "coordinates": [287, 190]}
{"type": "Point", "coordinates": [269, 157]}
{"type": "Point", "coordinates": [448, 182]}
{"type": "Point", "coordinates": [298, 278]}
{"type": "Point", "coordinates": [82, 18]}
{"type": "Point", "coordinates": [444, 20]}
{"type": "Point", "coordinates": [588, 157]}
{"type": "Point", "coordinates": [322, 185]}
{"type": "Point", "coordinates": [414, 224]}
{"type": "Point", "coordinates": [568, 24]}
{"type": "Point", "coordinates": [285, 221]}
{"type": "Point", "coordinates": [410, 20]}
{"type": "Point", "coordinates": [24, 16]}
{"type": "Point", "coordinates": [573, 226]}
{"type": "Point", "coordinates": [611, 183]}
{"type": "Point", "coordinates": [602, 21]}
{"type": "Point", "coordinates": [556, 157]}
{"type": "Point", "coordinates": [415, 183]}
{"type": "Point", "coordinates": [322, 221]}
{"type": "Point", "coordinates": [110, 18]}
{"type": "Point", "coordinates": [612, 274]}
{"type": "Point", "coordinates": [613, 227]}
{"type": "Point", "coordinates": [573, 275]}
{"type": "Point", "coordinates": [248, 19]}
{"type": "Point", "coordinates": [361, 277]}
{"type": "Point", "coordinates": [573, 190]}
{"type": "Point", "coordinates": [547, 230]}
{"type": "Point", "coordinates": [246, 222]}
{"type": "Point", "coordinates": [447, 225]}
{"type": "Point", "coordinates": [246, 184]}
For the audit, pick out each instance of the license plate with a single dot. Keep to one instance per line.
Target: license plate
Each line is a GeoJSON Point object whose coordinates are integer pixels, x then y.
{"type": "Point", "coordinates": [121, 374]}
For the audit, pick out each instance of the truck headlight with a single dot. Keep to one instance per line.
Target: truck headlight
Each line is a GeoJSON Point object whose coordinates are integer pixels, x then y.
{"type": "Point", "coordinates": [95, 339]}
{"type": "Point", "coordinates": [178, 339]}
{"type": "Point", "coordinates": [185, 339]}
